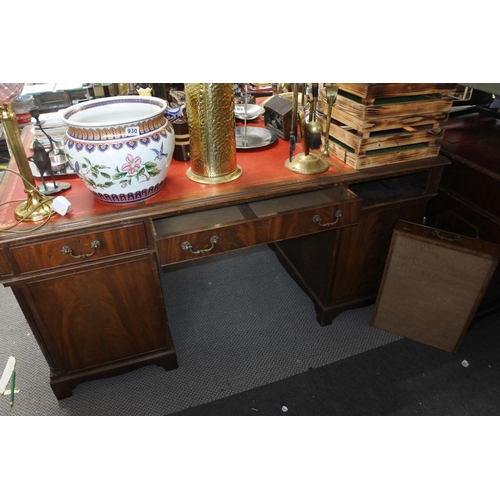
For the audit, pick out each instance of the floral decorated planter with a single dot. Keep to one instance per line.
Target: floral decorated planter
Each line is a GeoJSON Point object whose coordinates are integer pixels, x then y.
{"type": "Point", "coordinates": [120, 146]}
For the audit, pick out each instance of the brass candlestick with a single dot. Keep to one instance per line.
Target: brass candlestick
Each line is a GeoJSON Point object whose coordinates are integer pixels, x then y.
{"type": "Point", "coordinates": [36, 207]}
{"type": "Point", "coordinates": [306, 162]}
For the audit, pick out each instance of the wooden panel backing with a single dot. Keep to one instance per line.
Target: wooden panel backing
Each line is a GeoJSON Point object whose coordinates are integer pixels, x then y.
{"type": "Point", "coordinates": [432, 284]}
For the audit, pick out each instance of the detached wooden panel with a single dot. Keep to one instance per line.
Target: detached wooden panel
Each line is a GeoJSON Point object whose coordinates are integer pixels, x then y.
{"type": "Point", "coordinates": [432, 285]}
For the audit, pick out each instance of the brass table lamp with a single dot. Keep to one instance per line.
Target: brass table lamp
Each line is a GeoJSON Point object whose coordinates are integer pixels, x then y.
{"type": "Point", "coordinates": [36, 207]}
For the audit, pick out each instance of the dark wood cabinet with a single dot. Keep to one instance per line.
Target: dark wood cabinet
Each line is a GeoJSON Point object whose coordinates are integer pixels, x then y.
{"type": "Point", "coordinates": [467, 201]}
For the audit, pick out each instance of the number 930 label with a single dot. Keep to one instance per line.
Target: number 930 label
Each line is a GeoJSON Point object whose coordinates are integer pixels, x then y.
{"type": "Point", "coordinates": [132, 131]}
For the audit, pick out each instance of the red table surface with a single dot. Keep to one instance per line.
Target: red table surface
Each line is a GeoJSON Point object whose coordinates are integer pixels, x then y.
{"type": "Point", "coordinates": [261, 167]}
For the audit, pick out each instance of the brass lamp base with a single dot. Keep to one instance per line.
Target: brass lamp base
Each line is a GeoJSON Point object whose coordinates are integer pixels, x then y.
{"type": "Point", "coordinates": [35, 208]}
{"type": "Point", "coordinates": [307, 164]}
{"type": "Point", "coordinates": [217, 179]}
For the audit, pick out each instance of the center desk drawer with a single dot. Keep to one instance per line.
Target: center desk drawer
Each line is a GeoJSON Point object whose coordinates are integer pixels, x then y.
{"type": "Point", "coordinates": [74, 248]}
{"type": "Point", "coordinates": [190, 236]}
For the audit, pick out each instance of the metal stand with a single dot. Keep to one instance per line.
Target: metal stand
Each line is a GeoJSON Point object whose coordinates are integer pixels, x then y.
{"type": "Point", "coordinates": [307, 164]}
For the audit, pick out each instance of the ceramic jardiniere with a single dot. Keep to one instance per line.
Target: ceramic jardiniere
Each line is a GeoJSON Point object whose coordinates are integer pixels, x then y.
{"type": "Point", "coordinates": [120, 146]}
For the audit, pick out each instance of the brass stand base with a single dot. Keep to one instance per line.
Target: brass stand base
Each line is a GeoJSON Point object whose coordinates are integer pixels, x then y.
{"type": "Point", "coordinates": [218, 179]}
{"type": "Point", "coordinates": [307, 164]}
{"type": "Point", "coordinates": [34, 209]}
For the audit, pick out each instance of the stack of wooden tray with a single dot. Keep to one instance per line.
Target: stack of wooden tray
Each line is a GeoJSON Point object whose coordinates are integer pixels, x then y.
{"type": "Point", "coordinates": [376, 124]}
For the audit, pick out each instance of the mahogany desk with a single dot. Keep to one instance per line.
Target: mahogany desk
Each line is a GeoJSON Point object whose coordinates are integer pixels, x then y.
{"type": "Point", "coordinates": [104, 314]}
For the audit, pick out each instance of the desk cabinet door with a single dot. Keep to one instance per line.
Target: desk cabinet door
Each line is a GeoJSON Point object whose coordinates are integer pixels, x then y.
{"type": "Point", "coordinates": [432, 285]}
{"type": "Point", "coordinates": [97, 315]}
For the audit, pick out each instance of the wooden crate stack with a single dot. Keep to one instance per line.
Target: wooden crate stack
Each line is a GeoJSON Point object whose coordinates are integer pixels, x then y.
{"type": "Point", "coordinates": [376, 124]}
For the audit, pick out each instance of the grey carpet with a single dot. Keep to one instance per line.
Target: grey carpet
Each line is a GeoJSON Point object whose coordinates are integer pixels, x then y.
{"type": "Point", "coordinates": [238, 321]}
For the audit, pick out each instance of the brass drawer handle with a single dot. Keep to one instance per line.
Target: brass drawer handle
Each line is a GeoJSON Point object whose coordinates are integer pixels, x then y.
{"type": "Point", "coordinates": [213, 240]}
{"type": "Point", "coordinates": [94, 245]}
{"type": "Point", "coordinates": [317, 219]}
{"type": "Point", "coordinates": [455, 238]}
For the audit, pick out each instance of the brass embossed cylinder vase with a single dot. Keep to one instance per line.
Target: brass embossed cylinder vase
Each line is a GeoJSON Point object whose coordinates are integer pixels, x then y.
{"type": "Point", "coordinates": [212, 141]}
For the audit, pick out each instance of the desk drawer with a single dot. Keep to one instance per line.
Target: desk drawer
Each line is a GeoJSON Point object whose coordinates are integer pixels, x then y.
{"type": "Point", "coordinates": [298, 215]}
{"type": "Point", "coordinates": [71, 249]}
{"type": "Point", "coordinates": [191, 236]}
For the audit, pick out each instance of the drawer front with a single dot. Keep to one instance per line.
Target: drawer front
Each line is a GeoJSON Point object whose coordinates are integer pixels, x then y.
{"type": "Point", "coordinates": [71, 249]}
{"type": "Point", "coordinates": [222, 230]}
{"type": "Point", "coordinates": [212, 241]}
{"type": "Point", "coordinates": [313, 220]}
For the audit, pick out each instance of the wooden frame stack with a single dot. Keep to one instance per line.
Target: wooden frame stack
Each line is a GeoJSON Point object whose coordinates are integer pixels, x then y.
{"type": "Point", "coordinates": [376, 124]}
